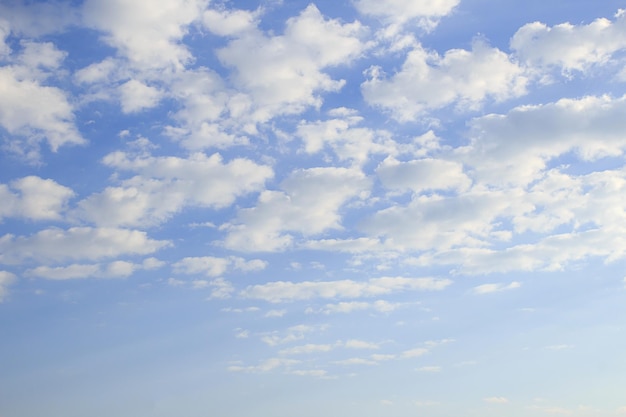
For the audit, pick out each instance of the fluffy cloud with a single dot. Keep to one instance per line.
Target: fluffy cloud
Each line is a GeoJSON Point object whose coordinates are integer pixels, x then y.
{"type": "Point", "coordinates": [229, 22]}
{"type": "Point", "coordinates": [164, 185]}
{"type": "Point", "coordinates": [136, 96]}
{"type": "Point", "coordinates": [148, 36]}
{"type": "Point", "coordinates": [34, 198]}
{"type": "Point", "coordinates": [345, 138]}
{"type": "Point", "coordinates": [514, 148]}
{"type": "Point", "coordinates": [422, 175]}
{"type": "Point", "coordinates": [308, 205]}
{"type": "Point", "coordinates": [284, 74]}
{"type": "Point", "coordinates": [32, 113]}
{"type": "Point", "coordinates": [285, 291]}
{"type": "Point", "coordinates": [427, 12]}
{"type": "Point", "coordinates": [76, 243]}
{"type": "Point", "coordinates": [440, 222]}
{"type": "Point", "coordinates": [570, 47]}
{"type": "Point", "coordinates": [429, 81]}
{"type": "Point", "coordinates": [6, 279]}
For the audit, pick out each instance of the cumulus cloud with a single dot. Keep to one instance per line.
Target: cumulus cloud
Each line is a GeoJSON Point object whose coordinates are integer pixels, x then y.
{"type": "Point", "coordinates": [284, 73]}
{"type": "Point", "coordinates": [428, 81]}
{"type": "Point", "coordinates": [570, 47]}
{"type": "Point", "coordinates": [32, 113]}
{"type": "Point", "coordinates": [162, 186]}
{"type": "Point", "coordinates": [229, 22]}
{"type": "Point", "coordinates": [343, 135]}
{"type": "Point", "coordinates": [422, 175]}
{"type": "Point", "coordinates": [34, 198]}
{"type": "Point", "coordinates": [443, 222]}
{"type": "Point", "coordinates": [285, 291]}
{"type": "Point", "coordinates": [309, 204]}
{"type": "Point", "coordinates": [136, 96]}
{"type": "Point", "coordinates": [514, 148]}
{"type": "Point", "coordinates": [426, 12]}
{"type": "Point", "coordinates": [35, 19]}
{"type": "Point", "coordinates": [76, 243]}
{"type": "Point", "coordinates": [148, 36]}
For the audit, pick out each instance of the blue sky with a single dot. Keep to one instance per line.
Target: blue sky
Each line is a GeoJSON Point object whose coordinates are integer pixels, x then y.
{"type": "Point", "coordinates": [281, 208]}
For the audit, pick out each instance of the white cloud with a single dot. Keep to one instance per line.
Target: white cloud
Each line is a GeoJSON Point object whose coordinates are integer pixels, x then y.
{"type": "Point", "coordinates": [115, 269]}
{"type": "Point", "coordinates": [6, 279]}
{"type": "Point", "coordinates": [285, 291]}
{"type": "Point", "coordinates": [345, 138]}
{"type": "Point", "coordinates": [32, 113]}
{"type": "Point", "coordinates": [162, 186]}
{"type": "Point", "coordinates": [426, 12]}
{"type": "Point", "coordinates": [414, 353]}
{"type": "Point", "coordinates": [429, 81]}
{"type": "Point", "coordinates": [75, 271]}
{"type": "Point", "coordinates": [210, 115]}
{"type": "Point", "coordinates": [276, 313]}
{"type": "Point", "coordinates": [570, 47]}
{"type": "Point", "coordinates": [36, 56]}
{"type": "Point", "coordinates": [208, 265]}
{"type": "Point", "coordinates": [309, 205]}
{"type": "Point", "coordinates": [284, 74]}
{"type": "Point", "coordinates": [514, 148]}
{"type": "Point", "coordinates": [34, 198]}
{"type": "Point", "coordinates": [34, 19]}
{"type": "Point", "coordinates": [422, 174]}
{"type": "Point", "coordinates": [58, 245]}
{"type": "Point", "coordinates": [136, 96]}
{"type": "Point", "coordinates": [443, 221]}
{"type": "Point", "coordinates": [498, 287]}
{"type": "Point", "coordinates": [148, 36]}
{"type": "Point", "coordinates": [229, 22]}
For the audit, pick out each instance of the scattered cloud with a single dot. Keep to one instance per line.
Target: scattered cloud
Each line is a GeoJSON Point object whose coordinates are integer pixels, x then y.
{"type": "Point", "coordinates": [285, 291]}
{"type": "Point", "coordinates": [59, 245]}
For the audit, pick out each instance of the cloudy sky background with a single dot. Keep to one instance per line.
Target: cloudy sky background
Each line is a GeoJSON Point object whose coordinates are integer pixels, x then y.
{"type": "Point", "coordinates": [278, 209]}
